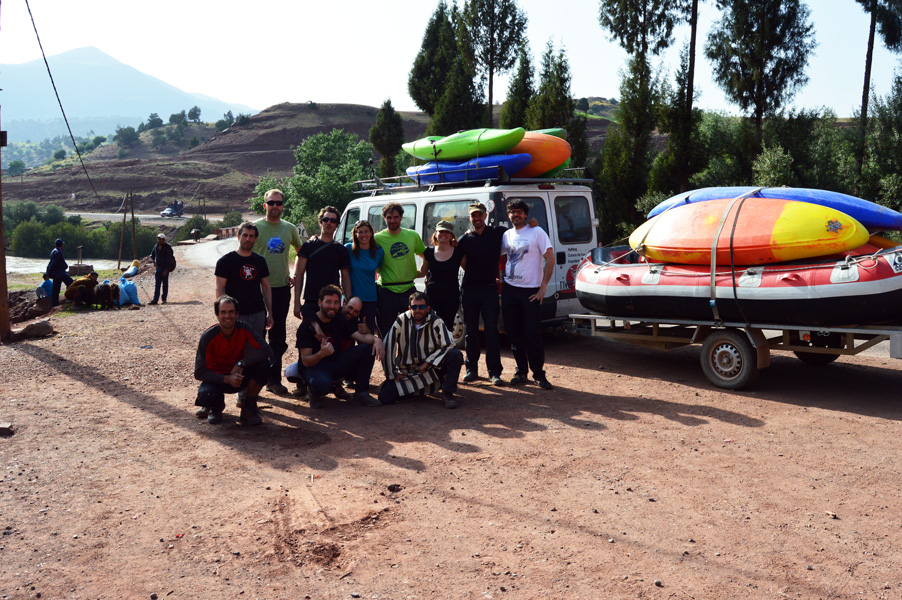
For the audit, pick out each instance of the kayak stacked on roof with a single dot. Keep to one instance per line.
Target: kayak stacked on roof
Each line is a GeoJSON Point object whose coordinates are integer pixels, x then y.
{"type": "Point", "coordinates": [480, 154]}
{"type": "Point", "coordinates": [782, 256]}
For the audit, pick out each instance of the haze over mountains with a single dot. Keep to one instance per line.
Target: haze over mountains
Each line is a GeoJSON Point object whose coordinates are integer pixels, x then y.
{"type": "Point", "coordinates": [98, 93]}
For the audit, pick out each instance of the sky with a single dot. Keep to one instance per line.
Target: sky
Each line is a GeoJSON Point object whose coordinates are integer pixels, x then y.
{"type": "Point", "coordinates": [360, 52]}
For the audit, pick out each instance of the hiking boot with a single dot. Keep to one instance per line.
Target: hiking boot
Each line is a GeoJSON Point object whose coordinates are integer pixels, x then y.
{"type": "Point", "coordinates": [249, 418]}
{"type": "Point", "coordinates": [470, 377]}
{"type": "Point", "coordinates": [367, 399]}
{"type": "Point", "coordinates": [203, 412]}
{"type": "Point", "coordinates": [449, 401]}
{"type": "Point", "coordinates": [339, 391]}
{"type": "Point", "coordinates": [544, 384]}
{"type": "Point", "coordinates": [277, 388]}
{"type": "Point", "coordinates": [214, 418]}
{"type": "Point", "coordinates": [152, 303]}
{"type": "Point", "coordinates": [518, 379]}
{"type": "Point", "coordinates": [497, 381]}
{"type": "Point", "coordinates": [300, 391]}
{"type": "Point", "coordinates": [316, 401]}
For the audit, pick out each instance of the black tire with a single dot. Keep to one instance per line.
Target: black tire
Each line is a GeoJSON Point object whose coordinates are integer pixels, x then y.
{"type": "Point", "coordinates": [728, 359]}
{"type": "Point", "coordinates": [816, 359]}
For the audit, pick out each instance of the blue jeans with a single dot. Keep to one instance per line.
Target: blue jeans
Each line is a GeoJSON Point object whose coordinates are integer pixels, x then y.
{"type": "Point", "coordinates": [355, 363]}
{"type": "Point", "coordinates": [163, 280]}
{"type": "Point", "coordinates": [485, 303]}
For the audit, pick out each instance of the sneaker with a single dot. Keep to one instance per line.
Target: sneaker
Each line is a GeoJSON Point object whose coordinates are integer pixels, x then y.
{"type": "Point", "coordinates": [203, 412]}
{"type": "Point", "coordinates": [316, 401]}
{"type": "Point", "coordinates": [543, 383]}
{"type": "Point", "coordinates": [152, 303]}
{"type": "Point", "coordinates": [518, 379]}
{"type": "Point", "coordinates": [366, 398]}
{"type": "Point", "coordinates": [214, 418]}
{"type": "Point", "coordinates": [496, 381]}
{"type": "Point", "coordinates": [249, 418]}
{"type": "Point", "coordinates": [339, 391]}
{"type": "Point", "coordinates": [449, 401]}
{"type": "Point", "coordinates": [470, 377]}
{"type": "Point", "coordinates": [164, 302]}
{"type": "Point", "coordinates": [277, 388]}
{"type": "Point", "coordinates": [300, 391]}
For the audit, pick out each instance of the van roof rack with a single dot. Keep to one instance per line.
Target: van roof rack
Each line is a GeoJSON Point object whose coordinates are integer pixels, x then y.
{"type": "Point", "coordinates": [407, 183]}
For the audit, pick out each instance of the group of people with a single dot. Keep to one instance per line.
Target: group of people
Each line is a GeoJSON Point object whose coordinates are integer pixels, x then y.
{"type": "Point", "coordinates": [384, 319]}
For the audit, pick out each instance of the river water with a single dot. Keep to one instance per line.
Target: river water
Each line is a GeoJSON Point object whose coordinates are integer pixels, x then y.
{"type": "Point", "coordinates": [15, 264]}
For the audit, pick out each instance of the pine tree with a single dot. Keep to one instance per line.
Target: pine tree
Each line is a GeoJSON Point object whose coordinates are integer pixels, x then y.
{"type": "Point", "coordinates": [386, 136]}
{"type": "Point", "coordinates": [519, 92]}
{"type": "Point", "coordinates": [460, 107]}
{"type": "Point", "coordinates": [552, 105]}
{"type": "Point", "coordinates": [434, 61]}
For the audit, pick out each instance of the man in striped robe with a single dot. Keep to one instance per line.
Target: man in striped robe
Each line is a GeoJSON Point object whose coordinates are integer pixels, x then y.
{"type": "Point", "coordinates": [420, 356]}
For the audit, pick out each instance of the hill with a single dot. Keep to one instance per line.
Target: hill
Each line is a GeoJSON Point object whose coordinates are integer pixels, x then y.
{"type": "Point", "coordinates": [98, 93]}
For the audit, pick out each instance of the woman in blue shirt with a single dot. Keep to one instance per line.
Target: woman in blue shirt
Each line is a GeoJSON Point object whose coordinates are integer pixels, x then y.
{"type": "Point", "coordinates": [366, 258]}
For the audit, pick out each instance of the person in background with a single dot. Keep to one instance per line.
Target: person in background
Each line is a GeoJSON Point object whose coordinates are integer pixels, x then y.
{"type": "Point", "coordinates": [441, 267]}
{"type": "Point", "coordinates": [525, 283]}
{"type": "Point", "coordinates": [230, 358]}
{"type": "Point", "coordinates": [366, 258]}
{"type": "Point", "coordinates": [275, 239]}
{"type": "Point", "coordinates": [45, 290]}
{"type": "Point", "coordinates": [57, 269]}
{"type": "Point", "coordinates": [163, 257]}
{"type": "Point", "coordinates": [399, 265]}
{"type": "Point", "coordinates": [82, 289]}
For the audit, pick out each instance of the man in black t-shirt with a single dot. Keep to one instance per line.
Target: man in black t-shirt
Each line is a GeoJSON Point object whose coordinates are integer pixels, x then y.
{"type": "Point", "coordinates": [244, 275]}
{"type": "Point", "coordinates": [320, 341]}
{"type": "Point", "coordinates": [319, 264]}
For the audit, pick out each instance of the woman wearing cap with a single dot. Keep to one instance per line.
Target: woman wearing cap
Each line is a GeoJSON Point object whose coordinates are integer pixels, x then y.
{"type": "Point", "coordinates": [441, 267]}
{"type": "Point", "coordinates": [366, 258]}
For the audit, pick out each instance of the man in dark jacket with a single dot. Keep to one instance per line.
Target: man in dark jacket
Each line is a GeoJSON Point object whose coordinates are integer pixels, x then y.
{"type": "Point", "coordinates": [163, 259]}
{"type": "Point", "coordinates": [230, 357]}
{"type": "Point", "coordinates": [57, 271]}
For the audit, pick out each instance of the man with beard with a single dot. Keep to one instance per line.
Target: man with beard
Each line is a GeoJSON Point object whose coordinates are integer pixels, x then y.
{"type": "Point", "coordinates": [320, 261]}
{"type": "Point", "coordinates": [399, 266]}
{"type": "Point", "coordinates": [244, 275]}
{"type": "Point", "coordinates": [276, 236]}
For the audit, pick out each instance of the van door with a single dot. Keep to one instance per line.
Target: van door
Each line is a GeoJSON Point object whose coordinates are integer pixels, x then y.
{"type": "Point", "coordinates": [575, 236]}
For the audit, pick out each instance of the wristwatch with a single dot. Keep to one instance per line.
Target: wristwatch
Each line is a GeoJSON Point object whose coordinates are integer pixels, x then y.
{"type": "Point", "coordinates": [240, 364]}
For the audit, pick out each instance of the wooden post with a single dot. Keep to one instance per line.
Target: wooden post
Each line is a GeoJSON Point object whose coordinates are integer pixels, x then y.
{"type": "Point", "coordinates": [128, 195]}
{"type": "Point", "coordinates": [4, 290]}
{"type": "Point", "coordinates": [134, 229]}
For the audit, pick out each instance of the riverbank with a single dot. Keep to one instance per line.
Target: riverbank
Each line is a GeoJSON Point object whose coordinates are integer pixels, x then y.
{"type": "Point", "coordinates": [17, 264]}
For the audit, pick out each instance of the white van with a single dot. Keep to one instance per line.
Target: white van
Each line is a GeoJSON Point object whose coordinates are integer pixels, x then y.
{"type": "Point", "coordinates": [564, 209]}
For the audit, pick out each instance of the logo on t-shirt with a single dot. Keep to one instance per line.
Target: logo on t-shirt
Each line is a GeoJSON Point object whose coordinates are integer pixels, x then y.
{"type": "Point", "coordinates": [275, 245]}
{"type": "Point", "coordinates": [399, 250]}
{"type": "Point", "coordinates": [248, 272]}
{"type": "Point", "coordinates": [514, 255]}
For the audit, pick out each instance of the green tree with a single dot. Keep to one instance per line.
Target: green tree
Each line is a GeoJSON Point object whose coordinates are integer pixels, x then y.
{"type": "Point", "coordinates": [52, 214]}
{"type": "Point", "coordinates": [642, 27]}
{"type": "Point", "coordinates": [242, 119]}
{"type": "Point", "coordinates": [194, 114]}
{"type": "Point", "coordinates": [387, 135]}
{"type": "Point", "coordinates": [552, 106]}
{"type": "Point", "coordinates": [232, 218]}
{"type": "Point", "coordinates": [153, 121]}
{"type": "Point", "coordinates": [225, 122]}
{"type": "Point", "coordinates": [178, 118]}
{"type": "Point", "coordinates": [126, 136]}
{"type": "Point", "coordinates": [773, 168]}
{"type": "Point", "coordinates": [434, 61]}
{"type": "Point", "coordinates": [16, 167]}
{"type": "Point", "coordinates": [582, 105]}
{"type": "Point", "coordinates": [729, 142]}
{"type": "Point", "coordinates": [98, 139]}
{"type": "Point", "coordinates": [519, 92]}
{"type": "Point", "coordinates": [882, 172]}
{"type": "Point", "coordinates": [887, 16]}
{"type": "Point", "coordinates": [59, 154]}
{"type": "Point", "coordinates": [493, 30]}
{"type": "Point", "coordinates": [460, 107]}
{"type": "Point", "coordinates": [759, 50]}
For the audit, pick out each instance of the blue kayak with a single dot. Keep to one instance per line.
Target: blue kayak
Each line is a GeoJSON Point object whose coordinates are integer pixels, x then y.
{"type": "Point", "coordinates": [485, 167]}
{"type": "Point", "coordinates": [873, 216]}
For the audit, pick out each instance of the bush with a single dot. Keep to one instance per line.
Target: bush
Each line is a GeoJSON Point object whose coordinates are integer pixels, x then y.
{"type": "Point", "coordinates": [232, 218]}
{"type": "Point", "coordinates": [195, 222]}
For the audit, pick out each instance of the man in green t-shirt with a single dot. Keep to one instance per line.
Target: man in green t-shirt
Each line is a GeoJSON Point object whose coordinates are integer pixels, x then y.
{"type": "Point", "coordinates": [399, 267]}
{"type": "Point", "coordinates": [276, 236]}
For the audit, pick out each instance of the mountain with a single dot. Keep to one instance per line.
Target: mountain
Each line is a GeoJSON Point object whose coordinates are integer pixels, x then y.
{"type": "Point", "coordinates": [97, 91]}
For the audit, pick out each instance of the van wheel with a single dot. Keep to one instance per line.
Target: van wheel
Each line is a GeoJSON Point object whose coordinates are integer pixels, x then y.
{"type": "Point", "coordinates": [459, 330]}
{"type": "Point", "coordinates": [728, 359]}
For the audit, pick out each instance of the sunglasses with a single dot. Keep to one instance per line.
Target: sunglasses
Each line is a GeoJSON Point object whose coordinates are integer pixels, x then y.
{"type": "Point", "coordinates": [274, 203]}
{"type": "Point", "coordinates": [419, 306]}
{"type": "Point", "coordinates": [328, 220]}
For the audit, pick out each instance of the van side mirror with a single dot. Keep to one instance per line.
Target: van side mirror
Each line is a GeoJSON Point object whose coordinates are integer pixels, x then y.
{"type": "Point", "coordinates": [561, 258]}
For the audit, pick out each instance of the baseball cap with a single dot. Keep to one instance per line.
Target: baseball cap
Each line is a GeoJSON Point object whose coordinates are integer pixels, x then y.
{"type": "Point", "coordinates": [444, 226]}
{"type": "Point", "coordinates": [161, 236]}
{"type": "Point", "coordinates": [477, 206]}
{"type": "Point", "coordinates": [58, 242]}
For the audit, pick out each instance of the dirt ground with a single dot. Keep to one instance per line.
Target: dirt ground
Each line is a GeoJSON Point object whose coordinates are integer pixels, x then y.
{"type": "Point", "coordinates": [633, 478]}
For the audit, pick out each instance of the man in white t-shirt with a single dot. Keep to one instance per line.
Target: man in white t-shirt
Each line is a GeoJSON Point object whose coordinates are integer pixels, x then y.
{"type": "Point", "coordinates": [525, 282]}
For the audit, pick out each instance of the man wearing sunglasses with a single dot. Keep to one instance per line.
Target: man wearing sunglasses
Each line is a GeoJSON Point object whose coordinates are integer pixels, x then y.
{"type": "Point", "coordinates": [276, 236]}
{"type": "Point", "coordinates": [319, 263]}
{"type": "Point", "coordinates": [420, 356]}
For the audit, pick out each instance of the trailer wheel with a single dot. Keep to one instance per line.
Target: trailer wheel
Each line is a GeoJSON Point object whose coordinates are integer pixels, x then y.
{"type": "Point", "coordinates": [816, 359]}
{"type": "Point", "coordinates": [728, 359]}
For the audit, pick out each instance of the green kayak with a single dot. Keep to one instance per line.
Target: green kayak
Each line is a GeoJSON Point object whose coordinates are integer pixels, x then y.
{"type": "Point", "coordinates": [558, 132]}
{"type": "Point", "coordinates": [466, 144]}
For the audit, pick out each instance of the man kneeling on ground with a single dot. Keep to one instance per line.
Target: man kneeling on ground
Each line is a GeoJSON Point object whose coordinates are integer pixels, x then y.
{"type": "Point", "coordinates": [325, 356]}
{"type": "Point", "coordinates": [230, 357]}
{"type": "Point", "coordinates": [420, 355]}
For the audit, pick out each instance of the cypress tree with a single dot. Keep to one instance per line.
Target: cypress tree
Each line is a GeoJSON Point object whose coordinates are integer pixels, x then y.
{"type": "Point", "coordinates": [519, 92]}
{"type": "Point", "coordinates": [386, 136]}
{"type": "Point", "coordinates": [434, 61]}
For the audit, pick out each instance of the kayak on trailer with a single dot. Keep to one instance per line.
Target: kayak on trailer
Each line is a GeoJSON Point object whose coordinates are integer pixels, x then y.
{"type": "Point", "coordinates": [873, 216]}
{"type": "Point", "coordinates": [865, 287]}
{"type": "Point", "coordinates": [754, 231]}
{"type": "Point", "coordinates": [548, 152]}
{"type": "Point", "coordinates": [465, 145]}
{"type": "Point", "coordinates": [474, 169]}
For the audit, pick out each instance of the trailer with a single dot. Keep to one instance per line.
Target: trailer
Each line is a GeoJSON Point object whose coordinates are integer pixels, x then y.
{"type": "Point", "coordinates": [733, 353]}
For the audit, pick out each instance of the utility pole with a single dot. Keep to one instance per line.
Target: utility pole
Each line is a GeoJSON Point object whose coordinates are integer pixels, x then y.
{"type": "Point", "coordinates": [4, 290]}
